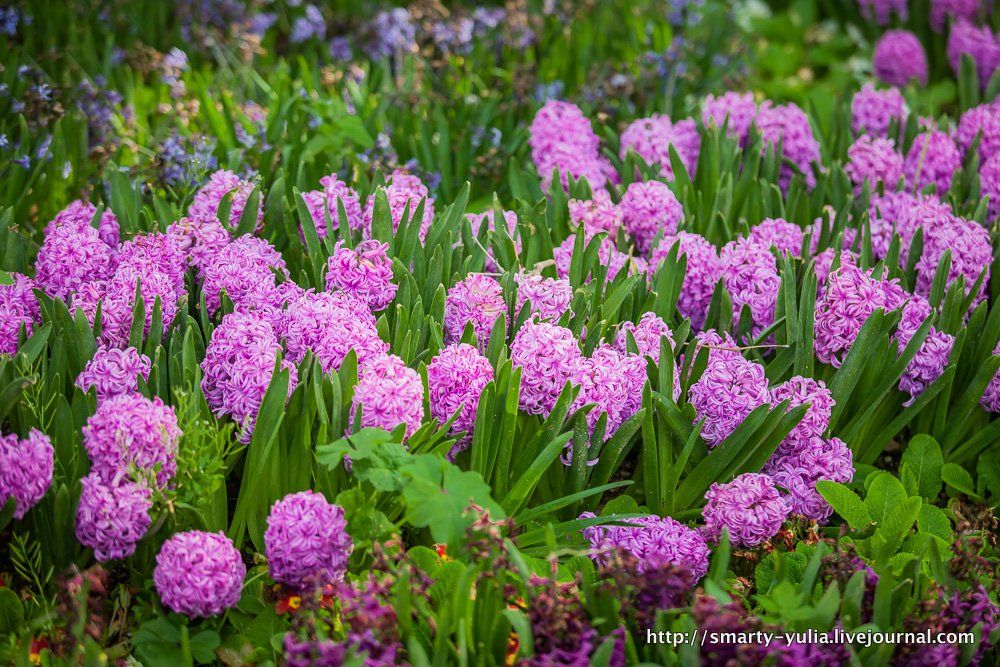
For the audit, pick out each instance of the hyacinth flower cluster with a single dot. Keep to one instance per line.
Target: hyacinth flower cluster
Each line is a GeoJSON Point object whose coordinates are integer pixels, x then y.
{"type": "Point", "coordinates": [199, 574]}
{"type": "Point", "coordinates": [456, 378]}
{"type": "Point", "coordinates": [562, 140]}
{"type": "Point", "coordinates": [653, 541]}
{"type": "Point", "coordinates": [26, 466]}
{"type": "Point", "coordinates": [651, 139]}
{"type": "Point", "coordinates": [306, 541]}
{"type": "Point", "coordinates": [324, 206]}
{"type": "Point", "coordinates": [132, 444]}
{"type": "Point", "coordinates": [363, 272]}
{"type": "Point", "coordinates": [405, 194]}
{"type": "Point", "coordinates": [19, 310]}
{"type": "Point", "coordinates": [114, 371]}
{"type": "Point", "coordinates": [477, 301]}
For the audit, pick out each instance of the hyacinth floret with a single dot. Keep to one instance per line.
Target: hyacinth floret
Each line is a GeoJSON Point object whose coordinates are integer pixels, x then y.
{"type": "Point", "coordinates": [364, 272]}
{"type": "Point", "coordinates": [704, 269]}
{"type": "Point", "coordinates": [778, 233]}
{"type": "Point", "coordinates": [873, 110]}
{"type": "Point", "coordinates": [70, 257]}
{"type": "Point", "coordinates": [750, 507]}
{"type": "Point", "coordinates": [245, 270]}
{"type": "Point", "coordinates": [654, 541]}
{"type": "Point", "coordinates": [803, 462]}
{"type": "Point", "coordinates": [875, 161]}
{"type": "Point", "coordinates": [113, 371]}
{"type": "Point", "coordinates": [112, 516]}
{"type": "Point", "coordinates": [389, 393]}
{"type": "Point", "coordinates": [613, 382]}
{"type": "Point", "coordinates": [306, 541]}
{"type": "Point", "coordinates": [199, 574]}
{"type": "Point", "coordinates": [456, 378]}
{"type": "Point", "coordinates": [26, 466]}
{"type": "Point", "coordinates": [330, 325]}
{"type": "Point", "coordinates": [750, 274]}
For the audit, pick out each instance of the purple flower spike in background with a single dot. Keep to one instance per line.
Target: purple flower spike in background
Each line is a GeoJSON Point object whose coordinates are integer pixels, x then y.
{"type": "Point", "coordinates": [899, 59]}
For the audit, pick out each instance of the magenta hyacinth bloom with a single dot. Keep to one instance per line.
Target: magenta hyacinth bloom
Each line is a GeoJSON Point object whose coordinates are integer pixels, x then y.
{"type": "Point", "coordinates": [562, 140]}
{"type": "Point", "coordinates": [750, 507]}
{"type": "Point", "coordinates": [199, 574]}
{"type": "Point", "coordinates": [787, 126]}
{"type": "Point", "coordinates": [971, 254]}
{"type": "Point", "coordinates": [989, 185]}
{"type": "Point", "coordinates": [933, 159]}
{"type": "Point", "coordinates": [79, 215]}
{"type": "Point", "coordinates": [112, 516]}
{"type": "Point", "coordinates": [114, 371]}
{"type": "Point", "coordinates": [941, 10]}
{"type": "Point", "coordinates": [607, 252]}
{"type": "Point", "coordinates": [648, 334]}
{"type": "Point", "coordinates": [245, 270]}
{"type": "Point", "coordinates": [984, 119]}
{"type": "Point", "coordinates": [478, 299]}
{"type": "Point", "coordinates": [198, 240]}
{"type": "Point", "coordinates": [850, 298]}
{"type": "Point", "coordinates": [736, 111]}
{"type": "Point", "coordinates": [598, 214]}
{"type": "Point", "coordinates": [69, 258]}
{"type": "Point", "coordinates": [880, 10]}
{"type": "Point", "coordinates": [932, 357]}
{"type": "Point", "coordinates": [799, 464]}
{"type": "Point", "coordinates": [650, 209]}
{"type": "Point", "coordinates": [327, 202]}
{"type": "Point", "coordinates": [991, 396]}
{"type": "Point", "coordinates": [778, 233]}
{"type": "Point", "coordinates": [750, 274]}
{"type": "Point", "coordinates": [306, 541]}
{"type": "Point", "coordinates": [977, 42]}
{"type": "Point", "coordinates": [237, 368]}
{"type": "Point", "coordinates": [132, 430]}
{"type": "Point", "coordinates": [704, 269]}
{"type": "Point", "coordinates": [899, 58]}
{"type": "Point", "coordinates": [389, 393]}
{"type": "Point", "coordinates": [613, 382]}
{"type": "Point", "coordinates": [404, 193]}
{"type": "Point", "coordinates": [874, 160]}
{"type": "Point", "coordinates": [330, 325]}
{"type": "Point", "coordinates": [652, 137]}
{"type": "Point", "coordinates": [873, 110]}
{"type": "Point", "coordinates": [364, 272]}
{"type": "Point", "coordinates": [26, 466]}
{"type": "Point", "coordinates": [18, 307]}
{"type": "Point", "coordinates": [548, 298]}
{"type": "Point", "coordinates": [654, 541]}
{"type": "Point", "coordinates": [549, 356]}
{"type": "Point", "coordinates": [205, 205]}
{"type": "Point", "coordinates": [806, 391]}
{"type": "Point", "coordinates": [456, 378]}
{"type": "Point", "coordinates": [730, 388]}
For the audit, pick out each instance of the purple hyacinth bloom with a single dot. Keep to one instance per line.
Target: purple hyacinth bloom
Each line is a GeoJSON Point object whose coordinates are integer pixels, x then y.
{"type": "Point", "coordinates": [880, 10]}
{"type": "Point", "coordinates": [750, 274]}
{"type": "Point", "coordinates": [595, 215]}
{"type": "Point", "coordinates": [548, 298]}
{"type": "Point", "coordinates": [730, 388]}
{"type": "Point", "coordinates": [309, 25]}
{"type": "Point", "coordinates": [456, 378]}
{"type": "Point", "coordinates": [71, 256]}
{"type": "Point", "coordinates": [327, 202]}
{"type": "Point", "coordinates": [874, 160]}
{"type": "Point", "coordinates": [652, 137]}
{"type": "Point", "coordinates": [79, 215]}
{"type": "Point", "coordinates": [984, 119]}
{"type": "Point", "coordinates": [389, 394]}
{"type": "Point", "coordinates": [800, 463]}
{"type": "Point", "coordinates": [899, 58]}
{"type": "Point", "coordinates": [238, 365]}
{"type": "Point", "coordinates": [478, 299]}
{"type": "Point", "coordinates": [778, 233]}
{"type": "Point", "coordinates": [330, 325]}
{"type": "Point", "coordinates": [199, 574]}
{"type": "Point", "coordinates": [649, 210]}
{"type": "Point", "coordinates": [364, 272]}
{"type": "Point", "coordinates": [25, 470]}
{"type": "Point", "coordinates": [205, 205]}
{"type": "Point", "coordinates": [977, 42]}
{"type": "Point", "coordinates": [907, 213]}
{"type": "Point", "coordinates": [245, 270]}
{"type": "Point", "coordinates": [131, 431]}
{"type": "Point", "coordinates": [704, 269]}
{"type": "Point", "coordinates": [654, 541]}
{"type": "Point", "coordinates": [851, 296]}
{"type": "Point", "coordinates": [306, 541]}
{"type": "Point", "coordinates": [648, 334]}
{"type": "Point", "coordinates": [991, 396]}
{"type": "Point", "coordinates": [750, 507]}
{"type": "Point", "coordinates": [941, 10]}
{"type": "Point", "coordinates": [548, 356]}
{"type": "Point", "coordinates": [18, 307]}
{"type": "Point", "coordinates": [787, 126]}
{"type": "Point", "coordinates": [735, 110]}
{"type": "Point", "coordinates": [198, 240]}
{"type": "Point", "coordinates": [933, 159]}
{"type": "Point", "coordinates": [562, 139]}
{"type": "Point", "coordinates": [114, 371]}
{"type": "Point", "coordinates": [613, 382]}
{"type": "Point", "coordinates": [806, 391]}
{"type": "Point", "coordinates": [112, 516]}
{"type": "Point", "coordinates": [404, 192]}
{"type": "Point", "coordinates": [932, 357]}
{"type": "Point", "coordinates": [971, 254]}
{"type": "Point", "coordinates": [873, 110]}
{"type": "Point", "coordinates": [393, 33]}
{"type": "Point", "coordinates": [989, 185]}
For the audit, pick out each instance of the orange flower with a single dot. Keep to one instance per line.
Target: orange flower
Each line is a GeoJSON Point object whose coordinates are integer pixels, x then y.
{"type": "Point", "coordinates": [290, 603]}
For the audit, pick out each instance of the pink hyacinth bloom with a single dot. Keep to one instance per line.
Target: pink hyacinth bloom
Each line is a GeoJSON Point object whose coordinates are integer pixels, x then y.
{"type": "Point", "coordinates": [736, 111]}
{"type": "Point", "coordinates": [851, 296]}
{"type": "Point", "coordinates": [941, 10]}
{"type": "Point", "coordinates": [874, 161]}
{"type": "Point", "coordinates": [548, 298]}
{"type": "Point", "coordinates": [364, 272]}
{"type": "Point", "coordinates": [306, 541]}
{"type": "Point", "coordinates": [991, 396]}
{"type": "Point", "coordinates": [704, 270]}
{"type": "Point", "coordinates": [112, 516]}
{"type": "Point", "coordinates": [652, 137]}
{"type": "Point", "coordinates": [456, 378]}
{"type": "Point", "coordinates": [79, 215]}
{"type": "Point", "coordinates": [389, 394]}
{"type": "Point", "coordinates": [933, 159]}
{"type": "Point", "coordinates": [982, 121]}
{"type": "Point", "coordinates": [404, 193]}
{"type": "Point", "coordinates": [778, 233]}
{"type": "Point", "coordinates": [70, 257]}
{"type": "Point", "coordinates": [130, 433]}
{"type": "Point", "coordinates": [806, 391]}
{"type": "Point", "coordinates": [478, 299]}
{"type": "Point", "coordinates": [327, 202]}
{"type": "Point", "coordinates": [971, 254]}
{"type": "Point", "coordinates": [880, 10]}
{"type": "Point", "coordinates": [613, 382]}
{"type": "Point", "coordinates": [245, 270]}
{"type": "Point", "coordinates": [653, 541]}
{"type": "Point", "coordinates": [18, 307]}
{"type": "Point", "coordinates": [650, 209]}
{"type": "Point", "coordinates": [749, 506]}
{"type": "Point", "coordinates": [899, 58]}
{"type": "Point", "coordinates": [114, 371]}
{"type": "Point", "coordinates": [931, 359]}
{"type": "Point", "coordinates": [803, 462]}
{"type": "Point", "coordinates": [874, 110]}
{"type": "Point", "coordinates": [977, 42]}
{"type": "Point", "coordinates": [207, 200]}
{"type": "Point", "coordinates": [199, 574]}
{"type": "Point", "coordinates": [330, 325]}
{"type": "Point", "coordinates": [598, 214]}
{"type": "Point", "coordinates": [26, 466]}
{"type": "Point", "coordinates": [787, 126]}
{"type": "Point", "coordinates": [989, 185]}
{"type": "Point", "coordinates": [548, 356]}
{"type": "Point", "coordinates": [750, 274]}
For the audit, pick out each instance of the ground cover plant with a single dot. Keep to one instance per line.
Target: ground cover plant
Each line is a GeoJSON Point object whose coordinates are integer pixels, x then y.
{"type": "Point", "coordinates": [537, 333]}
